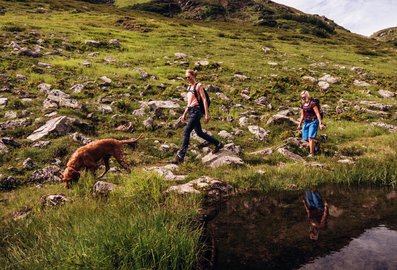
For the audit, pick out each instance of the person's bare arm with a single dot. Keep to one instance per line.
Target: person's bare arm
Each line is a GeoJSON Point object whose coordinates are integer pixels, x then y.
{"type": "Point", "coordinates": [317, 112]}
{"type": "Point", "coordinates": [300, 120]}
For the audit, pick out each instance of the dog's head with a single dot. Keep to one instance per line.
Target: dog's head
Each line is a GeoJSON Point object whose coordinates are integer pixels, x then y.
{"type": "Point", "coordinates": [69, 176]}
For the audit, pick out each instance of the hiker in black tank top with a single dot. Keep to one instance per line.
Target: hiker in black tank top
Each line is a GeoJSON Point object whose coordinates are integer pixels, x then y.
{"type": "Point", "coordinates": [195, 92]}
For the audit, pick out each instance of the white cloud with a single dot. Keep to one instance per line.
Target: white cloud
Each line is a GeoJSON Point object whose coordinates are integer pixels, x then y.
{"type": "Point", "coordinates": [359, 16]}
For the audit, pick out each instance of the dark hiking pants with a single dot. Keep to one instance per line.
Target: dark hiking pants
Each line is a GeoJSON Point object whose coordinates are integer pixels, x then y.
{"type": "Point", "coordinates": [194, 123]}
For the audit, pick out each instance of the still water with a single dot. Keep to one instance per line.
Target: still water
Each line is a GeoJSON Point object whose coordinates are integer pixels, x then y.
{"type": "Point", "coordinates": [273, 231]}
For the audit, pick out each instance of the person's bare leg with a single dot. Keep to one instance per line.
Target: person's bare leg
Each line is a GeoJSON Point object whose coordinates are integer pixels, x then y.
{"type": "Point", "coordinates": [311, 145]}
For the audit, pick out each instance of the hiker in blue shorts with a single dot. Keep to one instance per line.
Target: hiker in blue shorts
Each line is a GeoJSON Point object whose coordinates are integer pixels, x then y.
{"type": "Point", "coordinates": [311, 119]}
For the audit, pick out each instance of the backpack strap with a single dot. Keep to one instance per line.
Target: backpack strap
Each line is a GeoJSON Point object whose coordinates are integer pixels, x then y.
{"type": "Point", "coordinates": [195, 92]}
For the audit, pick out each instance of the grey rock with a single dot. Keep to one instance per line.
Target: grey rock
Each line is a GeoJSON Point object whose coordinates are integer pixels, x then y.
{"type": "Point", "coordinates": [57, 98]}
{"type": "Point", "coordinates": [309, 78]}
{"type": "Point", "coordinates": [60, 125]}
{"type": "Point", "coordinates": [199, 185]}
{"type": "Point", "coordinates": [13, 124]}
{"type": "Point", "coordinates": [290, 155]}
{"type": "Point", "coordinates": [20, 78]}
{"type": "Point", "coordinates": [180, 56]}
{"type": "Point", "coordinates": [41, 144]}
{"type": "Point", "coordinates": [142, 72]}
{"type": "Point", "coordinates": [168, 172]}
{"type": "Point", "coordinates": [105, 80]}
{"type": "Point", "coordinates": [149, 123]}
{"type": "Point", "coordinates": [28, 164]}
{"type": "Point", "coordinates": [22, 213]}
{"type": "Point", "coordinates": [202, 63]}
{"type": "Point", "coordinates": [86, 64]}
{"type": "Point", "coordinates": [222, 96]}
{"type": "Point", "coordinates": [361, 83]}
{"type": "Point", "coordinates": [8, 183]}
{"type": "Point", "coordinates": [48, 174]}
{"type": "Point", "coordinates": [259, 132]}
{"type": "Point", "coordinates": [10, 115]}
{"type": "Point", "coordinates": [391, 128]}
{"type": "Point", "coordinates": [110, 59]}
{"type": "Point", "coordinates": [225, 135]}
{"type": "Point", "coordinates": [231, 147]}
{"type": "Point", "coordinates": [279, 119]}
{"type": "Point", "coordinates": [376, 106]}
{"type": "Point", "coordinates": [243, 121]}
{"type": "Point", "coordinates": [262, 101]}
{"type": "Point", "coordinates": [240, 77]}
{"type": "Point", "coordinates": [114, 42]}
{"type": "Point", "coordinates": [128, 127]}
{"type": "Point", "coordinates": [3, 102]}
{"type": "Point", "coordinates": [386, 94]}
{"type": "Point", "coordinates": [78, 137]}
{"type": "Point", "coordinates": [329, 79]}
{"type": "Point", "coordinates": [263, 152]}
{"type": "Point", "coordinates": [77, 88]}
{"type": "Point", "coordinates": [45, 88]}
{"type": "Point", "coordinates": [323, 85]}
{"type": "Point", "coordinates": [105, 109]}
{"type": "Point", "coordinates": [53, 200]}
{"type": "Point", "coordinates": [93, 43]}
{"type": "Point", "coordinates": [44, 65]}
{"type": "Point", "coordinates": [102, 189]}
{"type": "Point", "coordinates": [221, 158]}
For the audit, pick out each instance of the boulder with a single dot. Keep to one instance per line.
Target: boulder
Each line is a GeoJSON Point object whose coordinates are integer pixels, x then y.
{"type": "Point", "coordinates": [105, 80]}
{"type": "Point", "coordinates": [45, 88]}
{"type": "Point", "coordinates": [329, 79]}
{"type": "Point", "coordinates": [309, 78]}
{"type": "Point", "coordinates": [48, 174]}
{"type": "Point", "coordinates": [160, 104]}
{"type": "Point", "coordinates": [323, 85]}
{"type": "Point", "coordinates": [60, 126]}
{"type": "Point", "coordinates": [8, 183]}
{"type": "Point", "coordinates": [114, 42]}
{"type": "Point", "coordinates": [57, 98]}
{"type": "Point", "coordinates": [222, 158]}
{"type": "Point", "coordinates": [263, 152]}
{"type": "Point", "coordinates": [22, 213]}
{"type": "Point", "coordinates": [105, 109]}
{"type": "Point", "coordinates": [225, 135]}
{"type": "Point", "coordinates": [180, 56]}
{"type": "Point", "coordinates": [243, 121]}
{"type": "Point", "coordinates": [386, 94]}
{"type": "Point", "coordinates": [128, 127]}
{"type": "Point", "coordinates": [149, 123]}
{"type": "Point", "coordinates": [3, 102]}
{"type": "Point", "coordinates": [53, 200]}
{"type": "Point", "coordinates": [78, 137]}
{"type": "Point", "coordinates": [290, 155]}
{"type": "Point", "coordinates": [280, 119]}
{"type": "Point", "coordinates": [199, 185]}
{"type": "Point", "coordinates": [28, 164]}
{"type": "Point", "coordinates": [391, 128]}
{"type": "Point", "coordinates": [77, 88]}
{"type": "Point", "coordinates": [102, 189]}
{"type": "Point", "coordinates": [236, 149]}
{"type": "Point", "coordinates": [361, 83]}
{"type": "Point", "coordinates": [13, 124]}
{"type": "Point", "coordinates": [168, 172]}
{"type": "Point", "coordinates": [259, 132]}
{"type": "Point", "coordinates": [10, 115]}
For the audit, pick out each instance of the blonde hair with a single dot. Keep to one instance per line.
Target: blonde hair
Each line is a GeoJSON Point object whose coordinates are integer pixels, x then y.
{"type": "Point", "coordinates": [305, 93]}
{"type": "Point", "coordinates": [192, 72]}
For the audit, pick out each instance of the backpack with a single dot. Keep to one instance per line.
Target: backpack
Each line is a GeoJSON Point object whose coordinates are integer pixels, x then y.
{"type": "Point", "coordinates": [201, 103]}
{"type": "Point", "coordinates": [317, 101]}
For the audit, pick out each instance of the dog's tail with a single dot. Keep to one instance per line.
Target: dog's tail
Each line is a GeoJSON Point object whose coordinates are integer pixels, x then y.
{"type": "Point", "coordinates": [131, 141]}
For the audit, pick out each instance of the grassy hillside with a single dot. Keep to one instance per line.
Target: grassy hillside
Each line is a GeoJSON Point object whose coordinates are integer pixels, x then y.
{"type": "Point", "coordinates": [386, 35]}
{"type": "Point", "coordinates": [141, 227]}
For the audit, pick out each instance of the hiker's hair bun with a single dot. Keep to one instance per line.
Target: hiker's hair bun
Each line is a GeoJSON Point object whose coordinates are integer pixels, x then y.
{"type": "Point", "coordinates": [192, 72]}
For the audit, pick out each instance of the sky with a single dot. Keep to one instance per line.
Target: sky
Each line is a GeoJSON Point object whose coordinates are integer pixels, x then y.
{"type": "Point", "coordinates": [363, 17]}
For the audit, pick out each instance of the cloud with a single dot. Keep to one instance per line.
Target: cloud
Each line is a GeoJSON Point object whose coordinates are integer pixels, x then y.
{"type": "Point", "coordinates": [359, 16]}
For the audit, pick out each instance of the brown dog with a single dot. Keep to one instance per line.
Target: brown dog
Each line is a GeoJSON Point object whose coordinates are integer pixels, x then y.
{"type": "Point", "coordinates": [88, 156]}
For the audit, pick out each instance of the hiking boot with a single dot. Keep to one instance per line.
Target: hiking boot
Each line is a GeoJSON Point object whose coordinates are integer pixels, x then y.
{"type": "Point", "coordinates": [177, 160]}
{"type": "Point", "coordinates": [217, 148]}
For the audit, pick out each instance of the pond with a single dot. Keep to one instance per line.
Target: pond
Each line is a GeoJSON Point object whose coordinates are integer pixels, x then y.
{"type": "Point", "coordinates": [273, 231]}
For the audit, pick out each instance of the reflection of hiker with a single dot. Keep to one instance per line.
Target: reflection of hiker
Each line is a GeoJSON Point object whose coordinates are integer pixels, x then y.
{"type": "Point", "coordinates": [317, 211]}
{"type": "Point", "coordinates": [196, 98]}
{"type": "Point", "coordinates": [310, 114]}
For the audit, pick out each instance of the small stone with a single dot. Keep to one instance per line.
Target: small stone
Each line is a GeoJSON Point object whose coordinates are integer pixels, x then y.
{"type": "Point", "coordinates": [77, 88]}
{"type": "Point", "coordinates": [102, 189]}
{"type": "Point", "coordinates": [323, 85]}
{"type": "Point", "coordinates": [114, 42]}
{"type": "Point", "coordinates": [179, 56]}
{"type": "Point", "coordinates": [28, 164]}
{"type": "Point", "coordinates": [53, 200]}
{"type": "Point", "coordinates": [93, 43]}
{"type": "Point", "coordinates": [10, 115]}
{"type": "Point", "coordinates": [44, 65]}
{"type": "Point", "coordinates": [105, 80]}
{"type": "Point", "coordinates": [361, 83]}
{"type": "Point", "coordinates": [105, 109]}
{"type": "Point", "coordinates": [386, 94]}
{"type": "Point", "coordinates": [259, 132]}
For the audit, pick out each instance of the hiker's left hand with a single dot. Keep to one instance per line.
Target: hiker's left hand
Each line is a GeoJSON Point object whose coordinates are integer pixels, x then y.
{"type": "Point", "coordinates": [322, 126]}
{"type": "Point", "coordinates": [207, 118]}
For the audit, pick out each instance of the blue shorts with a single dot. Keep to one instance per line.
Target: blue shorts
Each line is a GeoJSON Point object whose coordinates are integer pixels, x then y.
{"type": "Point", "coordinates": [309, 130]}
{"type": "Point", "coordinates": [314, 200]}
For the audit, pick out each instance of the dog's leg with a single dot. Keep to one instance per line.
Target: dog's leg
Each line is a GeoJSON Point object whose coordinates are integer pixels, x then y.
{"type": "Point", "coordinates": [119, 157]}
{"type": "Point", "coordinates": [107, 166]}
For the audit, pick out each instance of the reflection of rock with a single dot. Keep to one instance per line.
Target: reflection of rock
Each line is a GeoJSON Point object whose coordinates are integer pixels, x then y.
{"type": "Point", "coordinates": [391, 195]}
{"type": "Point", "coordinates": [334, 211]}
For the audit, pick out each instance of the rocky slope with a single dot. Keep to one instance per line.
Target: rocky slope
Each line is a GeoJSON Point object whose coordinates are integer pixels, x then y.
{"type": "Point", "coordinates": [386, 35]}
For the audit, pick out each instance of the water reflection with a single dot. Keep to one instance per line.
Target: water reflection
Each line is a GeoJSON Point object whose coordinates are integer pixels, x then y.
{"type": "Point", "coordinates": [378, 244]}
{"type": "Point", "coordinates": [256, 231]}
{"type": "Point", "coordinates": [317, 212]}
